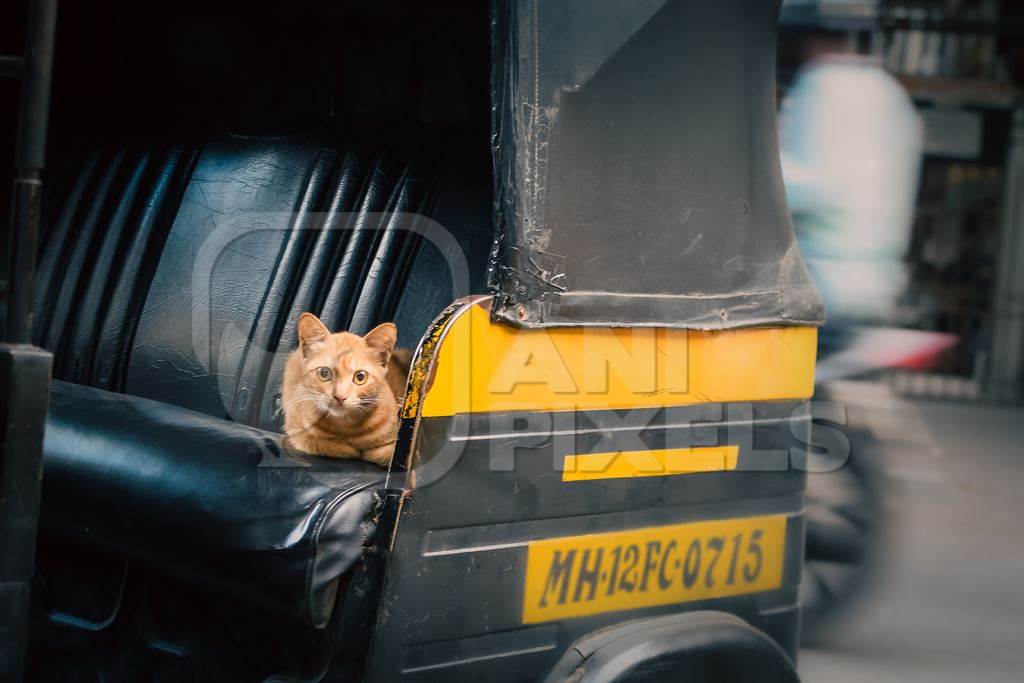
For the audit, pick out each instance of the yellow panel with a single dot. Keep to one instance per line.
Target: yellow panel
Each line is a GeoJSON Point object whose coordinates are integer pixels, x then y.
{"type": "Point", "coordinates": [576, 576]}
{"type": "Point", "coordinates": [485, 367]}
{"type": "Point", "coordinates": [655, 463]}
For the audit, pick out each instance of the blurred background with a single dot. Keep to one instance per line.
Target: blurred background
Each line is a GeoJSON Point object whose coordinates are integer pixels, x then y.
{"type": "Point", "coordinates": [901, 135]}
{"type": "Point", "coordinates": [902, 142]}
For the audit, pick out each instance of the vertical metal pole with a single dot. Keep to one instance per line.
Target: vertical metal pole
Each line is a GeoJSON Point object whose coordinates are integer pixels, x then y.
{"type": "Point", "coordinates": [1006, 378]}
{"type": "Point", "coordinates": [24, 369]}
{"type": "Point", "coordinates": [31, 152]}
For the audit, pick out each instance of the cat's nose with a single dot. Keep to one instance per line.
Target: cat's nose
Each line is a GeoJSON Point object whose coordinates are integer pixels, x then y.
{"type": "Point", "coordinates": [340, 398]}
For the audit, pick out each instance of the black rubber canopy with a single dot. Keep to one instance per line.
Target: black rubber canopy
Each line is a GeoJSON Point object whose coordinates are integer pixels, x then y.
{"type": "Point", "coordinates": [636, 167]}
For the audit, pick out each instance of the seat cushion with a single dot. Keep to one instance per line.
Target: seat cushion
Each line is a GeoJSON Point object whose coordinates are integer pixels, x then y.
{"type": "Point", "coordinates": [213, 503]}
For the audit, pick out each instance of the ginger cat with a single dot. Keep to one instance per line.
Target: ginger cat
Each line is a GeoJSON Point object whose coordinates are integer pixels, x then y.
{"type": "Point", "coordinates": [341, 392]}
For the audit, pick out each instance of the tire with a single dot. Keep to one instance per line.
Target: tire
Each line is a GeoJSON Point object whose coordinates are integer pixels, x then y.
{"type": "Point", "coordinates": [845, 529]}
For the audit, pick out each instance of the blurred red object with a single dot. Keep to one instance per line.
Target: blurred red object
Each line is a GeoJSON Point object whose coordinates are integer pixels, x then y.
{"type": "Point", "coordinates": [879, 348]}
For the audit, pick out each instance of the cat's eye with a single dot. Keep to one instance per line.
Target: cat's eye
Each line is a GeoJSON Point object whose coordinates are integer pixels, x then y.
{"type": "Point", "coordinates": [360, 377]}
{"type": "Point", "coordinates": [324, 374]}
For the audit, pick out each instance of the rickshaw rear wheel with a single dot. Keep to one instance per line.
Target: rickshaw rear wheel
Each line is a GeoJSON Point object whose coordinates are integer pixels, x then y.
{"type": "Point", "coordinates": [694, 647]}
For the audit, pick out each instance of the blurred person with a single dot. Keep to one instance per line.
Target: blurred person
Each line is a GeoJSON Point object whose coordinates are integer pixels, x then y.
{"type": "Point", "coordinates": [850, 147]}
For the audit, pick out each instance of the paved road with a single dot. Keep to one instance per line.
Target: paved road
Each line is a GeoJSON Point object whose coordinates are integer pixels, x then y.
{"type": "Point", "coordinates": [949, 602]}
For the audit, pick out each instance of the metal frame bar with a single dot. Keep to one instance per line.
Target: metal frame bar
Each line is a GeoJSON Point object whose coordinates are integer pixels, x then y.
{"type": "Point", "coordinates": [22, 232]}
{"type": "Point", "coordinates": [24, 369]}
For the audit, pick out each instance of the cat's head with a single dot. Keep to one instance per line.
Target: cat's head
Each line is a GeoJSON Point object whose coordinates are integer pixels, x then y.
{"type": "Point", "coordinates": [344, 374]}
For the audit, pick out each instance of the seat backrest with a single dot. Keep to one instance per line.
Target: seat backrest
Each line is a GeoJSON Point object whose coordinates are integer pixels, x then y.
{"type": "Point", "coordinates": [215, 168]}
{"type": "Point", "coordinates": [176, 271]}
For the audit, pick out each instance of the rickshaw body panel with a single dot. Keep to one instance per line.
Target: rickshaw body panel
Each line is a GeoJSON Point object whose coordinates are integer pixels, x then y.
{"type": "Point", "coordinates": [513, 478]}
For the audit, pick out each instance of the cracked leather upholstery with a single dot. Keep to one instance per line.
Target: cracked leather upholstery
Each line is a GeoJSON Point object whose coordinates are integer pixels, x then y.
{"type": "Point", "coordinates": [215, 168]}
{"type": "Point", "coordinates": [176, 272]}
{"type": "Point", "coordinates": [206, 501]}
{"type": "Point", "coordinates": [170, 279]}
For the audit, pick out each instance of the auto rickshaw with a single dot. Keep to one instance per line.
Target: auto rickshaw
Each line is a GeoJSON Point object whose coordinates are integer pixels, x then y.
{"type": "Point", "coordinates": [574, 213]}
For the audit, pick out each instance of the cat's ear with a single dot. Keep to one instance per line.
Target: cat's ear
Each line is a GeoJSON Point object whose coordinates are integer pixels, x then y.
{"type": "Point", "coordinates": [311, 331]}
{"type": "Point", "coordinates": [381, 341]}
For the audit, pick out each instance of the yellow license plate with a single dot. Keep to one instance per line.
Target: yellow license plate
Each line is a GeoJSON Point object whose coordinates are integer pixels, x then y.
{"type": "Point", "coordinates": [575, 576]}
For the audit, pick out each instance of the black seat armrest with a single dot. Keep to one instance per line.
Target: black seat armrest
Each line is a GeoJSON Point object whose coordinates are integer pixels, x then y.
{"type": "Point", "coordinates": [208, 501]}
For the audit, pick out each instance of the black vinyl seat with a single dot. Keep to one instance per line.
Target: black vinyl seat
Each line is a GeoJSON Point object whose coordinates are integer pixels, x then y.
{"type": "Point", "coordinates": [170, 279]}
{"type": "Point", "coordinates": [206, 501]}
{"type": "Point", "coordinates": [214, 169]}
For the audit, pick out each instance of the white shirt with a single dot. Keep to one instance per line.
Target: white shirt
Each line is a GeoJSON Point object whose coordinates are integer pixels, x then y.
{"type": "Point", "coordinates": [851, 143]}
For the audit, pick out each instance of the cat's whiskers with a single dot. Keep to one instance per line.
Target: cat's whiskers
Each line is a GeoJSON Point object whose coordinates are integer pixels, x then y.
{"type": "Point", "coordinates": [313, 397]}
{"type": "Point", "coordinates": [366, 404]}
